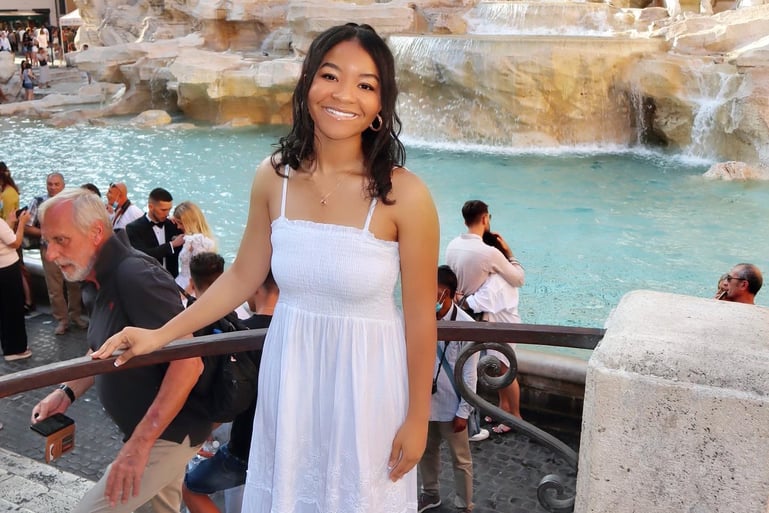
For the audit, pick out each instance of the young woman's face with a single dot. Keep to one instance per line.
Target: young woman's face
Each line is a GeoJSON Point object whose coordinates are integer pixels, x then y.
{"type": "Point", "coordinates": [344, 97]}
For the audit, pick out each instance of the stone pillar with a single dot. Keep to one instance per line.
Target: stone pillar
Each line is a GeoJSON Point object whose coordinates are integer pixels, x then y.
{"type": "Point", "coordinates": [676, 415]}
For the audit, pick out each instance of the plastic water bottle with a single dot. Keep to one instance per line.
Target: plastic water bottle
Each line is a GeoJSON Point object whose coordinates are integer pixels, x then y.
{"type": "Point", "coordinates": [209, 448]}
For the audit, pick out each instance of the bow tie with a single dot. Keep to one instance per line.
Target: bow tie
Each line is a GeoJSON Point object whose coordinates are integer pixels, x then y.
{"type": "Point", "coordinates": [158, 225]}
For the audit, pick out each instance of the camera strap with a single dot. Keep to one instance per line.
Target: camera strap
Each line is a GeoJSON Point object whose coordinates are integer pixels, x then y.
{"type": "Point", "coordinates": [120, 212]}
{"type": "Point", "coordinates": [442, 352]}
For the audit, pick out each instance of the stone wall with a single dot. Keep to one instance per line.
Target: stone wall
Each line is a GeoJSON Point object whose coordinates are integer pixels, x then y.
{"type": "Point", "coordinates": [676, 413]}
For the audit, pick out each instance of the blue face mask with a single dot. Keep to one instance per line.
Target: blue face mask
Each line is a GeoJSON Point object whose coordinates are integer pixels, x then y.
{"type": "Point", "coordinates": [115, 205]}
{"type": "Point", "coordinates": [439, 303]}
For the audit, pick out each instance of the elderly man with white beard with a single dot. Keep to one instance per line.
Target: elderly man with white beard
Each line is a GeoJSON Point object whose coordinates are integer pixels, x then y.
{"type": "Point", "coordinates": [163, 425]}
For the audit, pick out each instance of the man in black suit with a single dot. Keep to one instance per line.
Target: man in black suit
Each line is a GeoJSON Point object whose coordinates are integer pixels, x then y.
{"type": "Point", "coordinates": [155, 234]}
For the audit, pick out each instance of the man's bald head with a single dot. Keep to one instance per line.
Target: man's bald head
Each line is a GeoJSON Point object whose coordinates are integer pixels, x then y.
{"type": "Point", "coordinates": [117, 193]}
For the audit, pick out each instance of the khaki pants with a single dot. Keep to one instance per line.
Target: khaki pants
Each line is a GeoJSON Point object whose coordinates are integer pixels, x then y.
{"type": "Point", "coordinates": [161, 483]}
{"type": "Point", "coordinates": [55, 282]}
{"type": "Point", "coordinates": [430, 465]}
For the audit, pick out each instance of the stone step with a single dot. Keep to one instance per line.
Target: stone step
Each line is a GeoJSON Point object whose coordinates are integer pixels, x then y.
{"type": "Point", "coordinates": [34, 487]}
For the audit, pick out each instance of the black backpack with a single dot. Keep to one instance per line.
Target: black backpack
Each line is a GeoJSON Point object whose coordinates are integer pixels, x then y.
{"type": "Point", "coordinates": [228, 383]}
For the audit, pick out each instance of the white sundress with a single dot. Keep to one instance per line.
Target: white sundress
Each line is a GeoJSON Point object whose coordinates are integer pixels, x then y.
{"type": "Point", "coordinates": [333, 382]}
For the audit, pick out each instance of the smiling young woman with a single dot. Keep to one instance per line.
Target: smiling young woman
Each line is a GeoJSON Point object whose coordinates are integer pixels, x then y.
{"type": "Point", "coordinates": [344, 386]}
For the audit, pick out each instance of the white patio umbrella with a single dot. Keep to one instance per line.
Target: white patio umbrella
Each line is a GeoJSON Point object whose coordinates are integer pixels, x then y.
{"type": "Point", "coordinates": [72, 19]}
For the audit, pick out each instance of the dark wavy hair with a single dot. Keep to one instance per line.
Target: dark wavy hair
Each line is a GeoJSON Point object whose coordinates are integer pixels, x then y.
{"type": "Point", "coordinates": [382, 150]}
{"type": "Point", "coordinates": [6, 179]}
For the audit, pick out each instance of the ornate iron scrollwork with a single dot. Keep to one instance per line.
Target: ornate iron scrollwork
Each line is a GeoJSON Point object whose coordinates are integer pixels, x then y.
{"type": "Point", "coordinates": [550, 491]}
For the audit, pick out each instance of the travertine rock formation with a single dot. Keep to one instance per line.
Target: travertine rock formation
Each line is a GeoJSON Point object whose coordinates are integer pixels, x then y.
{"type": "Point", "coordinates": [151, 118]}
{"type": "Point", "coordinates": [735, 171]}
{"type": "Point", "coordinates": [531, 74]}
{"type": "Point", "coordinates": [7, 67]}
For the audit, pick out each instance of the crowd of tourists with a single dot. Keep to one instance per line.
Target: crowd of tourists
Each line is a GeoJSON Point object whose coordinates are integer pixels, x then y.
{"type": "Point", "coordinates": [27, 39]}
{"type": "Point", "coordinates": [354, 395]}
{"type": "Point", "coordinates": [38, 47]}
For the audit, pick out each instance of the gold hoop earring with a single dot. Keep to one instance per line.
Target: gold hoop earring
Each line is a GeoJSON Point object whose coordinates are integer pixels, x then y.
{"type": "Point", "coordinates": [379, 125]}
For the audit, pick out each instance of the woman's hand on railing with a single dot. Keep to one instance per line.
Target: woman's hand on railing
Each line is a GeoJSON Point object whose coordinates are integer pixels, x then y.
{"type": "Point", "coordinates": [132, 341]}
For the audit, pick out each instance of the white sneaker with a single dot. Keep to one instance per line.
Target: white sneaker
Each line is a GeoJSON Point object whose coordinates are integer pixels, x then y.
{"type": "Point", "coordinates": [483, 434]}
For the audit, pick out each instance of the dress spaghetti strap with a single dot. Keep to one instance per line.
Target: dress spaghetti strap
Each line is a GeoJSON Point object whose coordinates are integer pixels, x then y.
{"type": "Point", "coordinates": [370, 214]}
{"type": "Point", "coordinates": [285, 188]}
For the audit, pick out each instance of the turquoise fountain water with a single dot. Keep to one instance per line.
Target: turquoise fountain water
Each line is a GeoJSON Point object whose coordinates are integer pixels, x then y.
{"type": "Point", "coordinates": [589, 225]}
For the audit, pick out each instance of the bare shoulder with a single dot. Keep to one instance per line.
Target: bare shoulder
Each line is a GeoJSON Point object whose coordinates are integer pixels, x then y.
{"type": "Point", "coordinates": [408, 189]}
{"type": "Point", "coordinates": [265, 178]}
{"type": "Point", "coordinates": [265, 170]}
{"type": "Point", "coordinates": [414, 207]}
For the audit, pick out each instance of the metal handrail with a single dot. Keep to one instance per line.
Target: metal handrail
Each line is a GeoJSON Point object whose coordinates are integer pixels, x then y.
{"type": "Point", "coordinates": [495, 336]}
{"type": "Point", "coordinates": [54, 373]}
{"type": "Point", "coordinates": [550, 491]}
{"type": "Point", "coordinates": [84, 366]}
{"type": "Point", "coordinates": [491, 377]}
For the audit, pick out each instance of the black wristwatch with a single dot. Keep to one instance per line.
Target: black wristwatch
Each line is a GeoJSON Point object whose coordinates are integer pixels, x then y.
{"type": "Point", "coordinates": [70, 393]}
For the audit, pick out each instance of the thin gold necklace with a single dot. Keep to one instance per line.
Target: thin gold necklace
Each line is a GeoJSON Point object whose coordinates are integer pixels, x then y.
{"type": "Point", "coordinates": [324, 198]}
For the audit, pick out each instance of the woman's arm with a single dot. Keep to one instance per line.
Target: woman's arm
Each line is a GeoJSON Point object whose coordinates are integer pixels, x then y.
{"type": "Point", "coordinates": [237, 283]}
{"type": "Point", "coordinates": [21, 223]}
{"type": "Point", "coordinates": [418, 237]}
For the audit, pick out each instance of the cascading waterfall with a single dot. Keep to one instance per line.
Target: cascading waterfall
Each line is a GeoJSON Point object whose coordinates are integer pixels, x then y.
{"type": "Point", "coordinates": [714, 95]}
{"type": "Point", "coordinates": [160, 95]}
{"type": "Point", "coordinates": [523, 18]}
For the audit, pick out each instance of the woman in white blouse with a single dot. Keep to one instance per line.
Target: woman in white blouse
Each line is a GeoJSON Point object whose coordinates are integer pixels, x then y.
{"type": "Point", "coordinates": [13, 332]}
{"type": "Point", "coordinates": [198, 238]}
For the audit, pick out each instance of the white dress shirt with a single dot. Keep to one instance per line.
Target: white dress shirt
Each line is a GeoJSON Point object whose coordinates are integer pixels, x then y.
{"type": "Point", "coordinates": [473, 261]}
{"type": "Point", "coordinates": [445, 405]}
{"type": "Point", "coordinates": [159, 231]}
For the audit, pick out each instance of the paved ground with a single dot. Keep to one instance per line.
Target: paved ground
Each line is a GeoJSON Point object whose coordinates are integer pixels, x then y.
{"type": "Point", "coordinates": [507, 467]}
